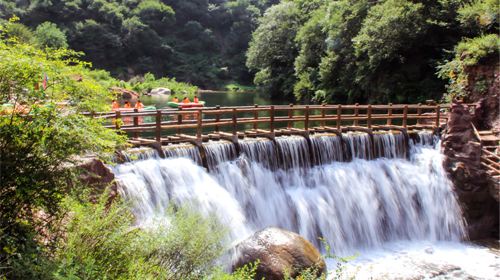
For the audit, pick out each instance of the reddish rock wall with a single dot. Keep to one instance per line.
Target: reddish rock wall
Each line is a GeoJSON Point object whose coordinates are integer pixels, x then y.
{"type": "Point", "coordinates": [462, 161]}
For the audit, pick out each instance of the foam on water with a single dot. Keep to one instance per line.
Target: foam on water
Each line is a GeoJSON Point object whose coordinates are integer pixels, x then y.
{"type": "Point", "coordinates": [422, 260]}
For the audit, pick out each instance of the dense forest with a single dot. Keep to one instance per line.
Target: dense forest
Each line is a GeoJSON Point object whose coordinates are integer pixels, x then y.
{"type": "Point", "coordinates": [333, 51]}
{"type": "Point", "coordinates": [198, 41]}
{"type": "Point", "coordinates": [368, 51]}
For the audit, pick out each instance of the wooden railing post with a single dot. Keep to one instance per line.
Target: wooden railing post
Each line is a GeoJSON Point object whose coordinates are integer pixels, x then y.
{"type": "Point", "coordinates": [255, 116]}
{"type": "Point", "coordinates": [199, 125]}
{"type": "Point", "coordinates": [271, 118]}
{"type": "Point", "coordinates": [306, 121]}
{"type": "Point", "coordinates": [356, 114]}
{"type": "Point", "coordinates": [136, 123]}
{"type": "Point", "coordinates": [405, 116]}
{"type": "Point", "coordinates": [369, 116]}
{"type": "Point", "coordinates": [323, 122]}
{"type": "Point", "coordinates": [389, 113]}
{"type": "Point", "coordinates": [339, 116]}
{"type": "Point", "coordinates": [438, 115]}
{"type": "Point", "coordinates": [179, 121]}
{"type": "Point", "coordinates": [235, 123]}
{"type": "Point", "coordinates": [217, 118]}
{"type": "Point", "coordinates": [118, 117]}
{"type": "Point", "coordinates": [419, 113]}
{"type": "Point", "coordinates": [158, 126]}
{"type": "Point", "coordinates": [290, 115]}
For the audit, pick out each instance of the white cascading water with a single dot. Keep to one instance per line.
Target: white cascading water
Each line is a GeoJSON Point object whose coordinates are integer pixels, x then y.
{"type": "Point", "coordinates": [353, 205]}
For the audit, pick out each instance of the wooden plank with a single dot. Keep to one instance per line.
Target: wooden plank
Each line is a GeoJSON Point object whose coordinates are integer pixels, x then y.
{"type": "Point", "coordinates": [339, 116]}
{"type": "Point", "coordinates": [405, 116]}
{"type": "Point", "coordinates": [158, 126]}
{"type": "Point", "coordinates": [199, 125]}
{"type": "Point", "coordinates": [306, 119]}
{"type": "Point", "coordinates": [235, 122]}
{"type": "Point", "coordinates": [255, 116]}
{"type": "Point", "coordinates": [438, 111]}
{"type": "Point", "coordinates": [356, 114]}
{"type": "Point", "coordinates": [389, 114]}
{"type": "Point", "coordinates": [271, 119]}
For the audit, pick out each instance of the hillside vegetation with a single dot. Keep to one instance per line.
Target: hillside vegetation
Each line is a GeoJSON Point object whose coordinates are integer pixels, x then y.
{"type": "Point", "coordinates": [198, 41]}
{"type": "Point", "coordinates": [370, 51]}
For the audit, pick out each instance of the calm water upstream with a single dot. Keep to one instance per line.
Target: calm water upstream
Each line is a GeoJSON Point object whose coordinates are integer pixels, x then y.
{"type": "Point", "coordinates": [220, 98]}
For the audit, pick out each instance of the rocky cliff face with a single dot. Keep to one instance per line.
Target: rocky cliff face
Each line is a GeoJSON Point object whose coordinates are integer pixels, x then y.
{"type": "Point", "coordinates": [462, 152]}
{"type": "Point", "coordinates": [483, 87]}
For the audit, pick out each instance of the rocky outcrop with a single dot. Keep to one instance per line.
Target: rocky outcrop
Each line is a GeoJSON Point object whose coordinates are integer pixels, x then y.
{"type": "Point", "coordinates": [483, 87]}
{"type": "Point", "coordinates": [160, 92]}
{"type": "Point", "coordinates": [125, 93]}
{"type": "Point", "coordinates": [95, 174]}
{"type": "Point", "coordinates": [462, 162]}
{"type": "Point", "coordinates": [278, 252]}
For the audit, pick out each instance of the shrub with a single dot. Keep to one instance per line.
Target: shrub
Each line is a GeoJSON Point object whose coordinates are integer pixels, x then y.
{"type": "Point", "coordinates": [102, 243]}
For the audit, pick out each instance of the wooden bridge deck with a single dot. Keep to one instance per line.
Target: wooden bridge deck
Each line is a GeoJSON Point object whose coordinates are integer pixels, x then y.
{"type": "Point", "coordinates": [201, 124]}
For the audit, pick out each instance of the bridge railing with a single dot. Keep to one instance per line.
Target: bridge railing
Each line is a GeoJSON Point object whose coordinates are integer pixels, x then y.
{"type": "Point", "coordinates": [155, 124]}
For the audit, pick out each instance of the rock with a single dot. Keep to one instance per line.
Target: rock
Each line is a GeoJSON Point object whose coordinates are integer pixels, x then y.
{"type": "Point", "coordinates": [125, 93]}
{"type": "Point", "coordinates": [160, 92]}
{"type": "Point", "coordinates": [98, 176]}
{"type": "Point", "coordinates": [278, 251]}
{"type": "Point", "coordinates": [462, 162]}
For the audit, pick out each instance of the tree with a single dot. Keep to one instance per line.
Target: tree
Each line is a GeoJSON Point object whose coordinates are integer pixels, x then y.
{"type": "Point", "coordinates": [41, 132]}
{"type": "Point", "coordinates": [49, 35]}
{"type": "Point", "coordinates": [273, 49]}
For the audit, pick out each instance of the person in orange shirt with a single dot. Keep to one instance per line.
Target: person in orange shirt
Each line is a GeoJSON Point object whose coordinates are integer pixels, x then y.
{"type": "Point", "coordinates": [139, 105]}
{"type": "Point", "coordinates": [186, 100]}
{"type": "Point", "coordinates": [195, 100]}
{"type": "Point", "coordinates": [176, 100]}
{"type": "Point", "coordinates": [127, 105]}
{"type": "Point", "coordinates": [115, 105]}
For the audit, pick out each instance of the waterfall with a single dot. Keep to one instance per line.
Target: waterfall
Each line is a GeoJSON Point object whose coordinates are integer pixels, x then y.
{"type": "Point", "coordinates": [353, 191]}
{"type": "Point", "coordinates": [182, 150]}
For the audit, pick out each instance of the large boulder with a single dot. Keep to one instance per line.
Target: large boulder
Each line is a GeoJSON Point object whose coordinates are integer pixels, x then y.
{"type": "Point", "coordinates": [160, 92]}
{"type": "Point", "coordinates": [278, 252]}
{"type": "Point", "coordinates": [472, 184]}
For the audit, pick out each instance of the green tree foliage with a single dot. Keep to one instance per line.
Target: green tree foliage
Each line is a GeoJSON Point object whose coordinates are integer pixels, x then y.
{"type": "Point", "coordinates": [273, 49]}
{"type": "Point", "coordinates": [198, 41]}
{"type": "Point", "coordinates": [41, 131]}
{"type": "Point", "coordinates": [480, 19]}
{"type": "Point", "coordinates": [364, 51]}
{"type": "Point", "coordinates": [49, 35]}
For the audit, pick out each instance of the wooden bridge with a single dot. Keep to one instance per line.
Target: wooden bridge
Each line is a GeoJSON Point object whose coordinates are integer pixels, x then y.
{"type": "Point", "coordinates": [231, 123]}
{"type": "Point", "coordinates": [198, 125]}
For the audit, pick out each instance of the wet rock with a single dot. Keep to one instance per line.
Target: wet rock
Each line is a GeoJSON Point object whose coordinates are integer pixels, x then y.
{"type": "Point", "coordinates": [278, 251]}
{"type": "Point", "coordinates": [160, 92]}
{"type": "Point", "coordinates": [95, 174]}
{"type": "Point", "coordinates": [462, 162]}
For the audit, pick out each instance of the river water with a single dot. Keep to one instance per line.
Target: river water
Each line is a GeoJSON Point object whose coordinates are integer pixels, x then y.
{"type": "Point", "coordinates": [224, 99]}
{"type": "Point", "coordinates": [387, 202]}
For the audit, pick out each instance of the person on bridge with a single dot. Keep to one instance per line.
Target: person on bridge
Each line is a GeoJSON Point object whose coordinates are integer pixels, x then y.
{"type": "Point", "coordinates": [176, 100]}
{"type": "Point", "coordinates": [127, 105]}
{"type": "Point", "coordinates": [195, 100]}
{"type": "Point", "coordinates": [139, 105]}
{"type": "Point", "coordinates": [186, 100]}
{"type": "Point", "coordinates": [115, 105]}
